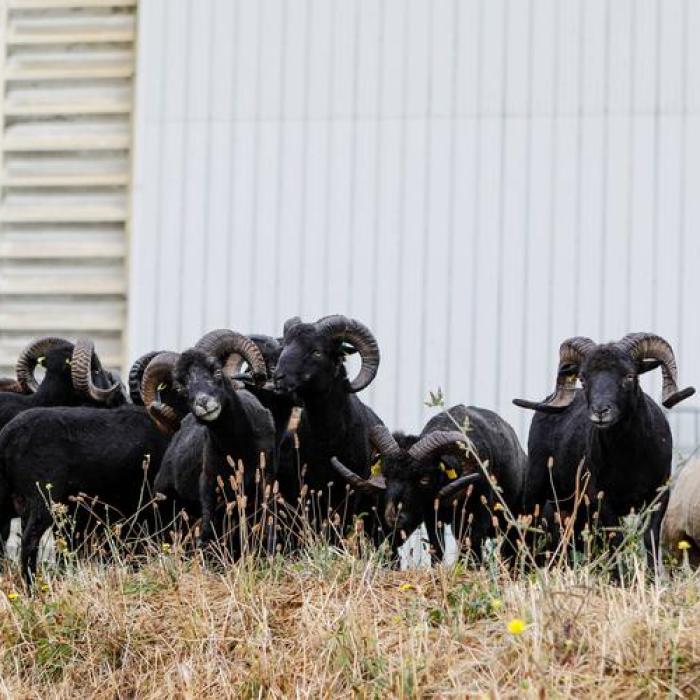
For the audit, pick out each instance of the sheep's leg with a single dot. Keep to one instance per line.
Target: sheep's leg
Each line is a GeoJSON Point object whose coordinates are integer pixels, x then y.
{"type": "Point", "coordinates": [207, 498]}
{"type": "Point", "coordinates": [436, 539]}
{"type": "Point", "coordinates": [33, 527]}
{"type": "Point", "coordinates": [652, 535]}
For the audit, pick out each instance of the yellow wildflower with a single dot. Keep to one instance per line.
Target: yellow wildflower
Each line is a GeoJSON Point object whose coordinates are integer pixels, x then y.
{"type": "Point", "coordinates": [44, 587]}
{"type": "Point", "coordinates": [683, 545]}
{"type": "Point", "coordinates": [13, 595]}
{"type": "Point", "coordinates": [165, 547]}
{"type": "Point", "coordinates": [516, 626]}
{"type": "Point", "coordinates": [406, 587]}
{"type": "Point", "coordinates": [498, 506]}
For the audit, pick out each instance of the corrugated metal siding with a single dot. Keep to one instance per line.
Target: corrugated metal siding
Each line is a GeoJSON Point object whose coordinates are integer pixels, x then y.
{"type": "Point", "coordinates": [475, 179]}
{"type": "Point", "coordinates": [67, 71]}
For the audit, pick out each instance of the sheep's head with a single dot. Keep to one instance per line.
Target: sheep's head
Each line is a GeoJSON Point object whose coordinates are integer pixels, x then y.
{"type": "Point", "coordinates": [76, 367]}
{"type": "Point", "coordinates": [198, 378]}
{"type": "Point", "coordinates": [609, 375]}
{"type": "Point", "coordinates": [414, 473]}
{"type": "Point", "coordinates": [313, 355]}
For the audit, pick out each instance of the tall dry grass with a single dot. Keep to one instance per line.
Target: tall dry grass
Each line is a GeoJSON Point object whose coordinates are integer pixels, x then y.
{"type": "Point", "coordinates": [329, 624]}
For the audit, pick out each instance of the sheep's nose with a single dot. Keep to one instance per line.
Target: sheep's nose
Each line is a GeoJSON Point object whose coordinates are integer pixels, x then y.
{"type": "Point", "coordinates": [601, 414]}
{"type": "Point", "coordinates": [204, 404]}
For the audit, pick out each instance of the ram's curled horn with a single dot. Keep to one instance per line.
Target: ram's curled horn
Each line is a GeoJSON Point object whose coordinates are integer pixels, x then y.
{"type": "Point", "coordinates": [571, 354]}
{"type": "Point", "coordinates": [223, 343]}
{"type": "Point", "coordinates": [383, 441]}
{"type": "Point", "coordinates": [451, 490]}
{"type": "Point", "coordinates": [81, 372]}
{"type": "Point", "coordinates": [27, 361]}
{"type": "Point", "coordinates": [11, 386]}
{"type": "Point", "coordinates": [136, 375]}
{"type": "Point", "coordinates": [374, 484]}
{"type": "Point", "coordinates": [436, 443]}
{"type": "Point", "coordinates": [647, 346]}
{"type": "Point", "coordinates": [159, 371]}
{"type": "Point", "coordinates": [360, 337]}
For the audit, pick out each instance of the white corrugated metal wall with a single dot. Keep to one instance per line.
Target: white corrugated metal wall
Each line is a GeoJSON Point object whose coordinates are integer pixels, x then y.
{"type": "Point", "coordinates": [474, 179]}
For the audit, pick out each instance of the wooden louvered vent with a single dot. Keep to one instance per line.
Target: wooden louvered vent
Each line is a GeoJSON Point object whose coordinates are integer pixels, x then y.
{"type": "Point", "coordinates": [67, 69]}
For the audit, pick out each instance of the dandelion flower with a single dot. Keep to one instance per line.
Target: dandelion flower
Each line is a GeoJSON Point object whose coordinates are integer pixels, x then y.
{"type": "Point", "coordinates": [13, 595]}
{"type": "Point", "coordinates": [516, 626]}
{"type": "Point", "coordinates": [165, 547]}
{"type": "Point", "coordinates": [44, 587]}
{"type": "Point", "coordinates": [406, 587]}
{"type": "Point", "coordinates": [683, 545]}
{"type": "Point", "coordinates": [496, 603]}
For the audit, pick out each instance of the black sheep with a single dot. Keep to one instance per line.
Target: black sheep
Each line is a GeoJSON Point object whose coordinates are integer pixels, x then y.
{"type": "Point", "coordinates": [334, 421]}
{"type": "Point", "coordinates": [432, 478]}
{"type": "Point", "coordinates": [225, 424]}
{"type": "Point", "coordinates": [77, 449]}
{"type": "Point", "coordinates": [64, 383]}
{"type": "Point", "coordinates": [609, 436]}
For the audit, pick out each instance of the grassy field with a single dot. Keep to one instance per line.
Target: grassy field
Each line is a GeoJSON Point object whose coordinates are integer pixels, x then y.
{"type": "Point", "coordinates": [329, 624]}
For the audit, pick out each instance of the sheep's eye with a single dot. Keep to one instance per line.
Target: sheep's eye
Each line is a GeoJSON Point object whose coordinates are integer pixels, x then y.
{"type": "Point", "coordinates": [218, 374]}
{"type": "Point", "coordinates": [628, 381]}
{"type": "Point", "coordinates": [424, 481]}
{"type": "Point", "coordinates": [316, 354]}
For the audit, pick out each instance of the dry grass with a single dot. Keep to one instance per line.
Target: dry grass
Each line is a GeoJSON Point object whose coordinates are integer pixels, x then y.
{"type": "Point", "coordinates": [332, 625]}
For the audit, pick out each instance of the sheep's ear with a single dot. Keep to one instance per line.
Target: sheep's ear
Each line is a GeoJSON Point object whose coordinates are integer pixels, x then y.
{"type": "Point", "coordinates": [647, 364]}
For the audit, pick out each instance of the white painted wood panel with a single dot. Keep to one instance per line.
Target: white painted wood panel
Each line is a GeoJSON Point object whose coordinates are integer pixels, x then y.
{"type": "Point", "coordinates": [475, 179]}
{"type": "Point", "coordinates": [65, 138]}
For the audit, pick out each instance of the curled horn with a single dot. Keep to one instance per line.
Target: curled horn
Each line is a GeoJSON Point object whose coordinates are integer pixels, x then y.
{"type": "Point", "coordinates": [383, 441]}
{"type": "Point", "coordinates": [435, 443]}
{"type": "Point", "coordinates": [571, 354]}
{"type": "Point", "coordinates": [81, 372]}
{"type": "Point", "coordinates": [451, 490]}
{"type": "Point", "coordinates": [159, 369]}
{"type": "Point", "coordinates": [26, 363]}
{"type": "Point", "coordinates": [360, 337]}
{"type": "Point", "coordinates": [136, 374]}
{"type": "Point", "coordinates": [643, 347]}
{"type": "Point", "coordinates": [223, 343]}
{"type": "Point", "coordinates": [11, 385]}
{"type": "Point", "coordinates": [376, 484]}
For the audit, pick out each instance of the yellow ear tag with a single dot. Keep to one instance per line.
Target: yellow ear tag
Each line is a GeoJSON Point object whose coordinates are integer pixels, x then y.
{"type": "Point", "coordinates": [376, 468]}
{"type": "Point", "coordinates": [450, 473]}
{"type": "Point", "coordinates": [162, 386]}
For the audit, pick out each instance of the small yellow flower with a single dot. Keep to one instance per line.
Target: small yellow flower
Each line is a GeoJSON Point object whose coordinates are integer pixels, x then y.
{"type": "Point", "coordinates": [496, 603]}
{"type": "Point", "coordinates": [683, 545]}
{"type": "Point", "coordinates": [406, 587]}
{"type": "Point", "coordinates": [498, 506]}
{"type": "Point", "coordinates": [396, 618]}
{"type": "Point", "coordinates": [516, 626]}
{"type": "Point", "coordinates": [61, 544]}
{"type": "Point", "coordinates": [165, 547]}
{"type": "Point", "coordinates": [13, 595]}
{"type": "Point", "coordinates": [44, 587]}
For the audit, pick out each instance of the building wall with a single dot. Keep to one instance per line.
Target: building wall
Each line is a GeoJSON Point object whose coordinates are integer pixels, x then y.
{"type": "Point", "coordinates": [66, 70]}
{"type": "Point", "coordinates": [474, 179]}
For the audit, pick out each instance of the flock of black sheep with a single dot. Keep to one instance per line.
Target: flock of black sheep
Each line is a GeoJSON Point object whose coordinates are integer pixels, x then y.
{"type": "Point", "coordinates": [255, 434]}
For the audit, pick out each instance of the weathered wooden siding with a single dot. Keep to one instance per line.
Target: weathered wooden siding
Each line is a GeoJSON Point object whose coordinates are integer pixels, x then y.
{"type": "Point", "coordinates": [67, 68]}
